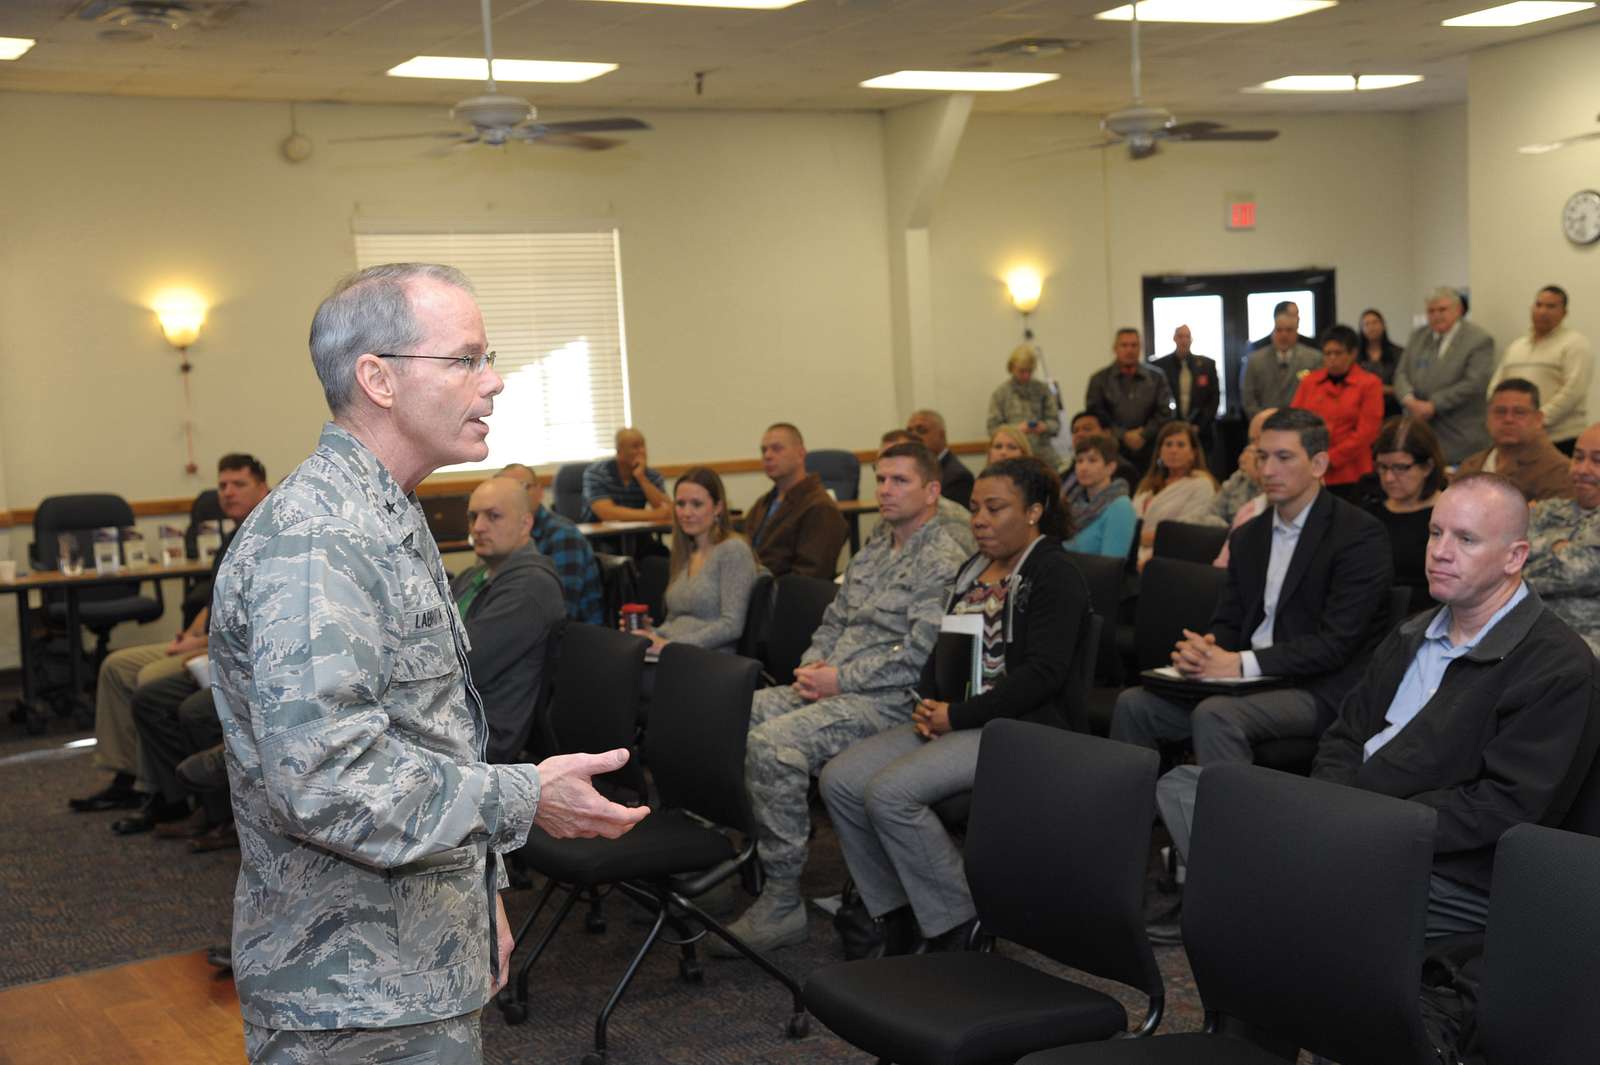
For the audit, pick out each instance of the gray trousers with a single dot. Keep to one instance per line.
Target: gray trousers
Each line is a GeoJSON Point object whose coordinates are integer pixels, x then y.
{"type": "Point", "coordinates": [879, 793]}
{"type": "Point", "coordinates": [166, 736]}
{"type": "Point", "coordinates": [454, 1041]}
{"type": "Point", "coordinates": [1452, 907]}
{"type": "Point", "coordinates": [1224, 727]}
{"type": "Point", "coordinates": [790, 740]}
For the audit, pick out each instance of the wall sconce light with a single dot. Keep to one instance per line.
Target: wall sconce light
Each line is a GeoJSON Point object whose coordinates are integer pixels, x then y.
{"type": "Point", "coordinates": [1024, 285]}
{"type": "Point", "coordinates": [181, 314]}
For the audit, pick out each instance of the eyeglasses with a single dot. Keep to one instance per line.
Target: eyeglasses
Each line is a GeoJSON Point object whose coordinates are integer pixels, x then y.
{"type": "Point", "coordinates": [1395, 468]}
{"type": "Point", "coordinates": [1518, 413]}
{"type": "Point", "coordinates": [471, 363]}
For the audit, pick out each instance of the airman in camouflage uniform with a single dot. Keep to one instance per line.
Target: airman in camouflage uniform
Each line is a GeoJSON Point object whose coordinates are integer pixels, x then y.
{"type": "Point", "coordinates": [852, 682]}
{"type": "Point", "coordinates": [1564, 544]}
{"type": "Point", "coordinates": [354, 738]}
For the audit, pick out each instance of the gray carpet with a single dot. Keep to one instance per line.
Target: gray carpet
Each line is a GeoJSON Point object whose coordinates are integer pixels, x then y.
{"type": "Point", "coordinates": [78, 898]}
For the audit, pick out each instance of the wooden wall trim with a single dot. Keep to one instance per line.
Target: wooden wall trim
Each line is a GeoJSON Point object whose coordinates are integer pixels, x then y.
{"type": "Point", "coordinates": [458, 485]}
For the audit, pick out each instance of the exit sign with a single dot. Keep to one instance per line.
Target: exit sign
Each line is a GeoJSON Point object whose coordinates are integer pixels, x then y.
{"type": "Point", "coordinates": [1241, 214]}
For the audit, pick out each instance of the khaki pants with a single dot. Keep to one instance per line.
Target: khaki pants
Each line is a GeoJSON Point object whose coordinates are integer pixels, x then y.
{"type": "Point", "coordinates": [116, 739]}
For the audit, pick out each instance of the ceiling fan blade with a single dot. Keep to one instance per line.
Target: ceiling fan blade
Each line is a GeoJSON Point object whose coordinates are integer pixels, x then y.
{"type": "Point", "coordinates": [453, 134]}
{"type": "Point", "coordinates": [580, 141]}
{"type": "Point", "coordinates": [1062, 148]}
{"type": "Point", "coordinates": [1183, 129]}
{"type": "Point", "coordinates": [1565, 142]}
{"type": "Point", "coordinates": [444, 150]}
{"type": "Point", "coordinates": [1229, 135]}
{"type": "Point", "coordinates": [592, 125]}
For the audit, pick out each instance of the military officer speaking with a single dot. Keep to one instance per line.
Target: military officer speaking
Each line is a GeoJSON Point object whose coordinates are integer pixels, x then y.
{"type": "Point", "coordinates": [367, 921]}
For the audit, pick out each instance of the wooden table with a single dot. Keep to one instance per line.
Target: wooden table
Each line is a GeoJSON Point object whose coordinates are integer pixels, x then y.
{"type": "Point", "coordinates": [852, 509]}
{"type": "Point", "coordinates": [36, 712]}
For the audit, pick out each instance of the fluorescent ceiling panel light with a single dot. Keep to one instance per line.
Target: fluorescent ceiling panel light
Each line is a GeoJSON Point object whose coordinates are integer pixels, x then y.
{"type": "Point", "coordinates": [957, 80]}
{"type": "Point", "coordinates": [1335, 83]}
{"type": "Point", "coordinates": [462, 68]}
{"type": "Point", "coordinates": [1219, 11]}
{"type": "Point", "coordinates": [1518, 14]}
{"type": "Point", "coordinates": [749, 5]}
{"type": "Point", "coordinates": [14, 47]}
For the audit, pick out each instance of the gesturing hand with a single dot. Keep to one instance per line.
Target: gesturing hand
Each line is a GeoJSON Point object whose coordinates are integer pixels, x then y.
{"type": "Point", "coordinates": [569, 807]}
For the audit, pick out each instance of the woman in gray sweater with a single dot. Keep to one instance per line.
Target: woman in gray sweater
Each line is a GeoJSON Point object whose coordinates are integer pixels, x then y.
{"type": "Point", "coordinates": [712, 568]}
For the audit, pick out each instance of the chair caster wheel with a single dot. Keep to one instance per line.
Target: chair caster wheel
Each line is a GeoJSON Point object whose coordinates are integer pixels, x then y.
{"type": "Point", "coordinates": [595, 924]}
{"type": "Point", "coordinates": [514, 1012]}
{"type": "Point", "coordinates": [691, 971]}
{"type": "Point", "coordinates": [799, 1026]}
{"type": "Point", "coordinates": [594, 1059]}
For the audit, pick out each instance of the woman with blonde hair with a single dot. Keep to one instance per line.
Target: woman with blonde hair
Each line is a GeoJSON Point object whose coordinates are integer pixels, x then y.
{"type": "Point", "coordinates": [712, 568]}
{"type": "Point", "coordinates": [1029, 404]}
{"type": "Point", "coordinates": [1008, 442]}
{"type": "Point", "coordinates": [1178, 486]}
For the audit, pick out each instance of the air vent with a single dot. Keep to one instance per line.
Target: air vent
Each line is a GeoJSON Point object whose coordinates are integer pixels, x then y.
{"type": "Point", "coordinates": [1032, 47]}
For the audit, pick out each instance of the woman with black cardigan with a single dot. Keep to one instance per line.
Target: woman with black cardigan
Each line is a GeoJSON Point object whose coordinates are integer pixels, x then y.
{"type": "Point", "coordinates": [1031, 601]}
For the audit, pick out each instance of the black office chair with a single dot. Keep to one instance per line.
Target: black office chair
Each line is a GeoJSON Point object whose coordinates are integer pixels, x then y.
{"type": "Point", "coordinates": [798, 603]}
{"type": "Point", "coordinates": [619, 583]}
{"type": "Point", "coordinates": [757, 617]}
{"type": "Point", "coordinates": [567, 498]}
{"type": "Point", "coordinates": [1069, 885]}
{"type": "Point", "coordinates": [655, 573]}
{"type": "Point", "coordinates": [1173, 596]}
{"type": "Point", "coordinates": [840, 471]}
{"type": "Point", "coordinates": [1542, 952]}
{"type": "Point", "coordinates": [1189, 542]}
{"type": "Point", "coordinates": [1303, 919]}
{"type": "Point", "coordinates": [695, 746]}
{"type": "Point", "coordinates": [206, 507]}
{"type": "Point", "coordinates": [1104, 576]}
{"type": "Point", "coordinates": [102, 608]}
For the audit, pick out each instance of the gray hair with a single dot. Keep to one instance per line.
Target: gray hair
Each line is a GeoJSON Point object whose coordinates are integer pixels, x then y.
{"type": "Point", "coordinates": [932, 415]}
{"type": "Point", "coordinates": [1444, 292]}
{"type": "Point", "coordinates": [369, 311]}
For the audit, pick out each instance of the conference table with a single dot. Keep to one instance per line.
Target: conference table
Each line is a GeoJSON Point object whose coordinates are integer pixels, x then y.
{"type": "Point", "coordinates": [600, 531]}
{"type": "Point", "coordinates": [34, 711]}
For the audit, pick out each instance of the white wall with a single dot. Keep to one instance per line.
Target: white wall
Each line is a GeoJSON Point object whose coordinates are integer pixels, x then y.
{"type": "Point", "coordinates": [1533, 91]}
{"type": "Point", "coordinates": [1439, 234]}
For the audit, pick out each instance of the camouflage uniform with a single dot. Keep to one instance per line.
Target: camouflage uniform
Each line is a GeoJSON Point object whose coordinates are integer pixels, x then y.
{"type": "Point", "coordinates": [877, 633]}
{"type": "Point", "coordinates": [454, 1041]}
{"type": "Point", "coordinates": [1569, 583]}
{"type": "Point", "coordinates": [355, 744]}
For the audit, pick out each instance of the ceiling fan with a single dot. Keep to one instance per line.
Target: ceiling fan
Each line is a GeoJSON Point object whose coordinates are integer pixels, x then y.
{"type": "Point", "coordinates": [1143, 127]}
{"type": "Point", "coordinates": [496, 118]}
{"type": "Point", "coordinates": [1565, 142]}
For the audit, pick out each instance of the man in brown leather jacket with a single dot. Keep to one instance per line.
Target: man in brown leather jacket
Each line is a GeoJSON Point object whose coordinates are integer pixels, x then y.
{"type": "Point", "coordinates": [796, 527]}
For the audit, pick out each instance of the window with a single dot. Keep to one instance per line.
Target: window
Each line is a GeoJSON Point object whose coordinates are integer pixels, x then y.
{"type": "Point", "coordinates": [552, 308]}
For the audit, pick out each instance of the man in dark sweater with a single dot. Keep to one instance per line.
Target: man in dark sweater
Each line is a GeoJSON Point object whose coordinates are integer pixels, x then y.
{"type": "Point", "coordinates": [1480, 708]}
{"type": "Point", "coordinates": [796, 527]}
{"type": "Point", "coordinates": [511, 603]}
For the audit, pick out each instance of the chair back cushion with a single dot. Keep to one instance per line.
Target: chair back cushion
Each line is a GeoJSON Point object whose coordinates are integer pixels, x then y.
{"type": "Point", "coordinates": [655, 573]}
{"type": "Point", "coordinates": [699, 721]}
{"type": "Point", "coordinates": [1104, 575]}
{"type": "Point", "coordinates": [1057, 845]}
{"type": "Point", "coordinates": [1189, 542]}
{"type": "Point", "coordinates": [1173, 596]}
{"type": "Point", "coordinates": [798, 603]}
{"type": "Point", "coordinates": [1542, 953]}
{"type": "Point", "coordinates": [81, 515]}
{"type": "Point", "coordinates": [206, 507]}
{"type": "Point", "coordinates": [1304, 911]}
{"type": "Point", "coordinates": [752, 641]}
{"type": "Point", "coordinates": [594, 698]}
{"type": "Point", "coordinates": [567, 498]}
{"type": "Point", "coordinates": [840, 471]}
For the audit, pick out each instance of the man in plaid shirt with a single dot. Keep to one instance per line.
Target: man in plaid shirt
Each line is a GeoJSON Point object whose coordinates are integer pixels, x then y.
{"type": "Point", "coordinates": [560, 541]}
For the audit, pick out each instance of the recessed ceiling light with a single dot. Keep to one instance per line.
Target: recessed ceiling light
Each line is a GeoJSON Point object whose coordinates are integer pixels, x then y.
{"type": "Point", "coordinates": [957, 80]}
{"type": "Point", "coordinates": [751, 5]}
{"type": "Point", "coordinates": [463, 68]}
{"type": "Point", "coordinates": [1518, 14]}
{"type": "Point", "coordinates": [13, 47]}
{"type": "Point", "coordinates": [1335, 83]}
{"type": "Point", "coordinates": [1216, 10]}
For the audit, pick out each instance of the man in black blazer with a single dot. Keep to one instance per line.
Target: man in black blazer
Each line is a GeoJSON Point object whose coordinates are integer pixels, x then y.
{"type": "Point", "coordinates": [1193, 380]}
{"type": "Point", "coordinates": [955, 480]}
{"type": "Point", "coordinates": [1307, 598]}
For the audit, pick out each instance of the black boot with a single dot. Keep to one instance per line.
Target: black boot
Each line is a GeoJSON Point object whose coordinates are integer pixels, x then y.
{"type": "Point", "coordinates": [900, 932]}
{"type": "Point", "coordinates": [117, 795]}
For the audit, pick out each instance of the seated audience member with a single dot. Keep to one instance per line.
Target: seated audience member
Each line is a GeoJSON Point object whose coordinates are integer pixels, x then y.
{"type": "Point", "coordinates": [1306, 599]}
{"type": "Point", "coordinates": [1084, 425]}
{"type": "Point", "coordinates": [1008, 442]}
{"type": "Point", "coordinates": [241, 484]}
{"type": "Point", "coordinates": [1411, 473]}
{"type": "Point", "coordinates": [1558, 359]}
{"type": "Point", "coordinates": [171, 738]}
{"type": "Point", "coordinates": [955, 480]}
{"type": "Point", "coordinates": [879, 790]}
{"type": "Point", "coordinates": [559, 540]}
{"type": "Point", "coordinates": [1243, 486]}
{"type": "Point", "coordinates": [1028, 405]}
{"type": "Point", "coordinates": [956, 518]}
{"type": "Point", "coordinates": [625, 488]}
{"type": "Point", "coordinates": [712, 569]}
{"type": "Point", "coordinates": [795, 527]}
{"type": "Point", "coordinates": [1177, 488]}
{"type": "Point", "coordinates": [1564, 536]}
{"type": "Point", "coordinates": [1101, 512]}
{"type": "Point", "coordinates": [1273, 371]}
{"type": "Point", "coordinates": [1130, 398]}
{"type": "Point", "coordinates": [1443, 375]}
{"type": "Point", "coordinates": [1477, 708]}
{"type": "Point", "coordinates": [1349, 400]}
{"type": "Point", "coordinates": [851, 682]}
{"type": "Point", "coordinates": [1520, 450]}
{"type": "Point", "coordinates": [511, 602]}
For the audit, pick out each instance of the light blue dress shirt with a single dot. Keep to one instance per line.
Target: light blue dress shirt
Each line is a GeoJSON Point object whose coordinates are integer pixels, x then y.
{"type": "Point", "coordinates": [1285, 537]}
{"type": "Point", "coordinates": [1426, 671]}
